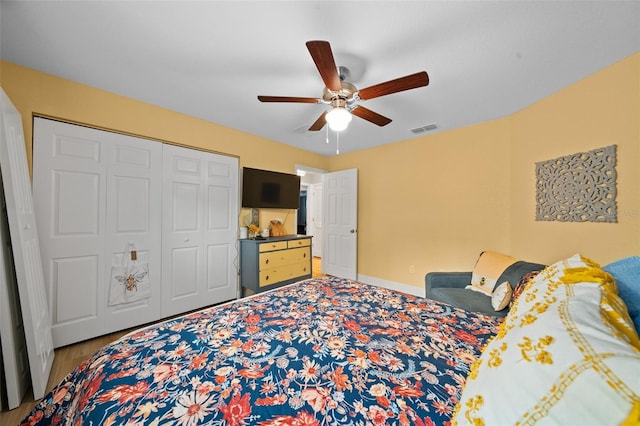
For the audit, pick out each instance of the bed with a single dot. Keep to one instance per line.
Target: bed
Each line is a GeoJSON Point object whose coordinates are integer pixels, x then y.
{"type": "Point", "coordinates": [319, 352]}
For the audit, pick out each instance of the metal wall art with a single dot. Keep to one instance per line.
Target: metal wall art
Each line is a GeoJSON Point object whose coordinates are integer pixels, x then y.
{"type": "Point", "coordinates": [578, 188]}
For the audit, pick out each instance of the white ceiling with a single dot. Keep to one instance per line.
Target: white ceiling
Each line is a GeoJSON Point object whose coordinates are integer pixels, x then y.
{"type": "Point", "coordinates": [210, 59]}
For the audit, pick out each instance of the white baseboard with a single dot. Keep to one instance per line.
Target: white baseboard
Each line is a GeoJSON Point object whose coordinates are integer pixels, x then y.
{"type": "Point", "coordinates": [392, 285]}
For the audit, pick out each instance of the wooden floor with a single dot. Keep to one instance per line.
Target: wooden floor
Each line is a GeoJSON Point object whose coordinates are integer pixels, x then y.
{"type": "Point", "coordinates": [69, 357]}
{"type": "Point", "coordinates": [316, 267]}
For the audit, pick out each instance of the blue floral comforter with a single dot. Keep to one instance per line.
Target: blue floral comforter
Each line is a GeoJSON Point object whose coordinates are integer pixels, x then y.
{"type": "Point", "coordinates": [321, 352]}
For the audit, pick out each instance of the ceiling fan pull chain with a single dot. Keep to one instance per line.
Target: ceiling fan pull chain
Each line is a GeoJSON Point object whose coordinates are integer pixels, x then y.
{"type": "Point", "coordinates": [337, 143]}
{"type": "Point", "coordinates": [327, 134]}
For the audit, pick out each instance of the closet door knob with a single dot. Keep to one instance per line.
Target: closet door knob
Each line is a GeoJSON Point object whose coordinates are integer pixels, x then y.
{"type": "Point", "coordinates": [186, 239]}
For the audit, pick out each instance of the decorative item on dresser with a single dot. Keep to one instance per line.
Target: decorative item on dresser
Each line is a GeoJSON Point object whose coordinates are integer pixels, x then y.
{"type": "Point", "coordinates": [276, 229]}
{"type": "Point", "coordinates": [275, 261]}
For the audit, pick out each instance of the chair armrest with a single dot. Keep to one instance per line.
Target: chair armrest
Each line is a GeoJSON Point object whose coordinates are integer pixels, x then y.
{"type": "Point", "coordinates": [446, 280]}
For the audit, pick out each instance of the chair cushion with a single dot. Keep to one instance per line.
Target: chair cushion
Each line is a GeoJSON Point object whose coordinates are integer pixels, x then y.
{"type": "Point", "coordinates": [466, 299]}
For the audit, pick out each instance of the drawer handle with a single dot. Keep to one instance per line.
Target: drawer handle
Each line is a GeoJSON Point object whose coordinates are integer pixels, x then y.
{"type": "Point", "coordinates": [304, 255]}
{"type": "Point", "coordinates": [266, 261]}
{"type": "Point", "coordinates": [266, 278]}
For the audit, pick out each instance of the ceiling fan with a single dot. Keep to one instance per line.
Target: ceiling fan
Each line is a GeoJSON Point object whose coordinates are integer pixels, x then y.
{"type": "Point", "coordinates": [342, 95]}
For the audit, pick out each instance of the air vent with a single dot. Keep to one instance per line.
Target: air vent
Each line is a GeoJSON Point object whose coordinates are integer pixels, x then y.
{"type": "Point", "coordinates": [424, 129]}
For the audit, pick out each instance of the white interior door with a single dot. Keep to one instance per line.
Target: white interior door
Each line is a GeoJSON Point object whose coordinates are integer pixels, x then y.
{"type": "Point", "coordinates": [26, 251]}
{"type": "Point", "coordinates": [200, 226]}
{"type": "Point", "coordinates": [14, 348]}
{"type": "Point", "coordinates": [340, 224]}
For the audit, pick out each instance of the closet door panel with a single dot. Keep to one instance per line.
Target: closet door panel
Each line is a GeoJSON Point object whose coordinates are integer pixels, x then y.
{"type": "Point", "coordinates": [182, 257]}
{"type": "Point", "coordinates": [69, 187]}
{"type": "Point", "coordinates": [218, 267]}
{"type": "Point", "coordinates": [75, 286]}
{"type": "Point", "coordinates": [131, 204]}
{"type": "Point", "coordinates": [200, 229]}
{"type": "Point", "coordinates": [186, 206]}
{"type": "Point", "coordinates": [75, 192]}
{"type": "Point", "coordinates": [184, 272]}
{"type": "Point", "coordinates": [73, 276]}
{"type": "Point", "coordinates": [221, 227]}
{"type": "Point", "coordinates": [95, 192]}
{"type": "Point", "coordinates": [134, 202]}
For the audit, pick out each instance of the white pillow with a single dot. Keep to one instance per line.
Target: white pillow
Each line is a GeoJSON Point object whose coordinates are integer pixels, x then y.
{"type": "Point", "coordinates": [501, 296]}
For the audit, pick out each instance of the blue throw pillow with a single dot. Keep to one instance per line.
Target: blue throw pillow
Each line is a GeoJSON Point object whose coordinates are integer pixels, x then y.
{"type": "Point", "coordinates": [627, 274]}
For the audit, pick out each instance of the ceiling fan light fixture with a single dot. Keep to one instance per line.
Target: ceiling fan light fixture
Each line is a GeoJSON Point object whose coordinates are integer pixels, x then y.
{"type": "Point", "coordinates": [338, 119]}
{"type": "Point", "coordinates": [343, 96]}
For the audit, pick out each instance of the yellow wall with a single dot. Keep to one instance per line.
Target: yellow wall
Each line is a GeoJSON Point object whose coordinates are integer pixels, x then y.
{"type": "Point", "coordinates": [601, 110]}
{"type": "Point", "coordinates": [433, 202]}
{"type": "Point", "coordinates": [33, 92]}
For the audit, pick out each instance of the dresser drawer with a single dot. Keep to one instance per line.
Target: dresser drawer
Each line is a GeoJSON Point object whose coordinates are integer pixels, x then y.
{"type": "Point", "coordinates": [273, 259]}
{"type": "Point", "coordinates": [305, 242]}
{"type": "Point", "coordinates": [276, 245]}
{"type": "Point", "coordinates": [282, 273]}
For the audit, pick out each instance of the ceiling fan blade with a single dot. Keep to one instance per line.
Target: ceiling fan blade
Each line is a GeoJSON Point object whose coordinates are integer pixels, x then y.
{"type": "Point", "coordinates": [408, 82]}
{"type": "Point", "coordinates": [319, 123]}
{"type": "Point", "coordinates": [371, 116]}
{"type": "Point", "coordinates": [323, 57]}
{"type": "Point", "coordinates": [288, 99]}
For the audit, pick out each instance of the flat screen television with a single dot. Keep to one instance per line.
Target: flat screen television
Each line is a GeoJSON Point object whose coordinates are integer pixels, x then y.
{"type": "Point", "coordinates": [268, 189]}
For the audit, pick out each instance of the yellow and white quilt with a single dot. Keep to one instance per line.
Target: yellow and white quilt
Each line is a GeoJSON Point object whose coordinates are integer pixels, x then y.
{"type": "Point", "coordinates": [567, 353]}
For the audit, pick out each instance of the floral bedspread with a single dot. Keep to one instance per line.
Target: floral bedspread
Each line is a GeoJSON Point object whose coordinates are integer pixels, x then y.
{"type": "Point", "coordinates": [321, 352]}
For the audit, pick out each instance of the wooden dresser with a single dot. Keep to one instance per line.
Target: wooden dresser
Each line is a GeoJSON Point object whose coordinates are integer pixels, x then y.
{"type": "Point", "coordinates": [274, 261]}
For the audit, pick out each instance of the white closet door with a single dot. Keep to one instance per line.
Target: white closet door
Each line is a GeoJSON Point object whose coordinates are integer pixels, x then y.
{"type": "Point", "coordinates": [24, 242]}
{"type": "Point", "coordinates": [14, 348]}
{"type": "Point", "coordinates": [69, 189]}
{"type": "Point", "coordinates": [94, 191]}
{"type": "Point", "coordinates": [134, 203]}
{"type": "Point", "coordinates": [200, 211]}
